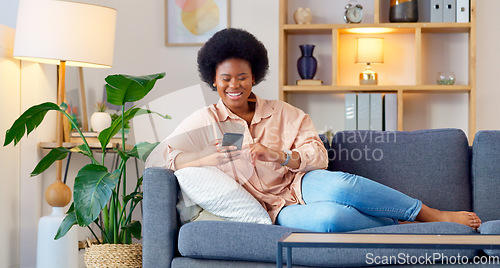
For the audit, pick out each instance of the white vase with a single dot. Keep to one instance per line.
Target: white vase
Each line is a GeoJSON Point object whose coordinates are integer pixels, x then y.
{"type": "Point", "coordinates": [100, 121]}
{"type": "Point", "coordinates": [62, 253]}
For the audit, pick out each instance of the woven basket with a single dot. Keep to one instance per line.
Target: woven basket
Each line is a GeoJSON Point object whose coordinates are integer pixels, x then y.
{"type": "Point", "coordinates": [113, 255]}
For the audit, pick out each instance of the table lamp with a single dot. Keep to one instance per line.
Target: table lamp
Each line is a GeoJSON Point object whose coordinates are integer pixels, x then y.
{"type": "Point", "coordinates": [62, 33]}
{"type": "Point", "coordinates": [369, 50]}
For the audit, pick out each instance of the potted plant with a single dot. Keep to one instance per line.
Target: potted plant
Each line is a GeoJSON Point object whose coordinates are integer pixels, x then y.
{"type": "Point", "coordinates": [100, 119]}
{"type": "Point", "coordinates": [98, 191]}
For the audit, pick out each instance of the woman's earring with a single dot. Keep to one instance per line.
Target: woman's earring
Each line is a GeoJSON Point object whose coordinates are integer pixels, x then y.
{"type": "Point", "coordinates": [214, 85]}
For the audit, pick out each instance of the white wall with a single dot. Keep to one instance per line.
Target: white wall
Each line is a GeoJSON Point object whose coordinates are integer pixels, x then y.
{"type": "Point", "coordinates": [9, 192]}
{"type": "Point", "coordinates": [140, 49]}
{"type": "Point", "coordinates": [8, 12]}
{"type": "Point", "coordinates": [488, 89]}
{"type": "Point", "coordinates": [22, 85]}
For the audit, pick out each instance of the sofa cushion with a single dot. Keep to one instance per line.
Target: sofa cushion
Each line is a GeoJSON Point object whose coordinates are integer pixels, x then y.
{"type": "Point", "coordinates": [430, 165]}
{"type": "Point", "coordinates": [258, 243]}
{"type": "Point", "coordinates": [486, 174]}
{"type": "Point", "coordinates": [219, 194]}
{"type": "Point", "coordinates": [491, 228]}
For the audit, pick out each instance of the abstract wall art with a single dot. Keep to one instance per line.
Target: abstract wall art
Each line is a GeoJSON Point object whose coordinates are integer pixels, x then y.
{"type": "Point", "coordinates": [193, 22]}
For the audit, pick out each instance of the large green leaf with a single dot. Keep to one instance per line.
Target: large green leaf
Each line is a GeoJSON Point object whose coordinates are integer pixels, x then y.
{"type": "Point", "coordinates": [82, 149]}
{"type": "Point", "coordinates": [106, 135]}
{"type": "Point", "coordinates": [67, 223]}
{"type": "Point", "coordinates": [141, 150]}
{"type": "Point", "coordinates": [92, 191]}
{"type": "Point", "coordinates": [29, 120]}
{"type": "Point", "coordinates": [127, 88]}
{"type": "Point", "coordinates": [135, 197]}
{"type": "Point", "coordinates": [55, 154]}
{"type": "Point", "coordinates": [134, 227]}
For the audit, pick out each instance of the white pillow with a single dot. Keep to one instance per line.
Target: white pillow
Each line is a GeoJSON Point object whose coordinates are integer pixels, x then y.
{"type": "Point", "coordinates": [219, 194]}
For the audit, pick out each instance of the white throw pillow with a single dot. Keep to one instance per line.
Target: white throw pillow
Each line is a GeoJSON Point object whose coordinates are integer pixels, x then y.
{"type": "Point", "coordinates": [219, 194]}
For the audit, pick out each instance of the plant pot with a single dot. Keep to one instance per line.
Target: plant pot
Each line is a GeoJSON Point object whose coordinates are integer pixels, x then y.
{"type": "Point", "coordinates": [100, 121]}
{"type": "Point", "coordinates": [113, 255]}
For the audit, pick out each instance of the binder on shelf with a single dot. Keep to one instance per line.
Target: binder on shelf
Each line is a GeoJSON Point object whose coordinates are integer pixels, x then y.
{"type": "Point", "coordinates": [424, 10]}
{"type": "Point", "coordinates": [462, 8]}
{"type": "Point", "coordinates": [86, 134]}
{"type": "Point", "coordinates": [376, 116]}
{"type": "Point", "coordinates": [449, 10]}
{"type": "Point", "coordinates": [436, 11]}
{"type": "Point", "coordinates": [309, 82]}
{"type": "Point", "coordinates": [364, 111]}
{"type": "Point", "coordinates": [390, 112]}
{"type": "Point", "coordinates": [351, 119]}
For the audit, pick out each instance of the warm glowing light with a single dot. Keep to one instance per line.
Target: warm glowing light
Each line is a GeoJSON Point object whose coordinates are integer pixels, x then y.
{"type": "Point", "coordinates": [369, 30]}
{"type": "Point", "coordinates": [369, 50]}
{"type": "Point", "coordinates": [50, 31]}
{"type": "Point", "coordinates": [68, 62]}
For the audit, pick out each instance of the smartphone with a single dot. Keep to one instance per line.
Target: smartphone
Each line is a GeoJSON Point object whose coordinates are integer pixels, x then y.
{"type": "Point", "coordinates": [235, 139]}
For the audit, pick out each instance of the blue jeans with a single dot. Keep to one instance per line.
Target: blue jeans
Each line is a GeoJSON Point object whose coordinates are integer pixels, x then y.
{"type": "Point", "coordinates": [340, 202]}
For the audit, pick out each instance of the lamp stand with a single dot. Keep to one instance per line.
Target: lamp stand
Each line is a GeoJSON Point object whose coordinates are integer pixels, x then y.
{"type": "Point", "coordinates": [368, 76]}
{"type": "Point", "coordinates": [58, 194]}
{"type": "Point", "coordinates": [60, 253]}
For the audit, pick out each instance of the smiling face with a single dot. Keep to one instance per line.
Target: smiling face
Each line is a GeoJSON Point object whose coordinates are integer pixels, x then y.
{"type": "Point", "coordinates": [234, 81]}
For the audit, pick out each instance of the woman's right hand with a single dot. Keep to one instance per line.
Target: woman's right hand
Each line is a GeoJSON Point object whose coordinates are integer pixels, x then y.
{"type": "Point", "coordinates": [215, 154]}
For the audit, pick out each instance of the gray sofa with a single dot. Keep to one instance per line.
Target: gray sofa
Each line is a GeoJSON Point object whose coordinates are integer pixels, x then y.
{"type": "Point", "coordinates": [437, 166]}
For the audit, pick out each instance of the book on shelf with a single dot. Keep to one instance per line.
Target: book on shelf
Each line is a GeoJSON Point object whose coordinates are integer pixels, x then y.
{"type": "Point", "coordinates": [351, 119]}
{"type": "Point", "coordinates": [309, 82]}
{"type": "Point", "coordinates": [376, 115]}
{"type": "Point", "coordinates": [462, 8]}
{"type": "Point", "coordinates": [86, 134]}
{"type": "Point", "coordinates": [93, 134]}
{"type": "Point", "coordinates": [364, 111]}
{"type": "Point", "coordinates": [371, 111]}
{"type": "Point", "coordinates": [91, 137]}
{"type": "Point", "coordinates": [449, 11]}
{"type": "Point", "coordinates": [390, 112]}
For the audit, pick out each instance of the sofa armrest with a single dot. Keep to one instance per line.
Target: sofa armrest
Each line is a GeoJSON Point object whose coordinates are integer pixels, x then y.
{"type": "Point", "coordinates": [160, 226]}
{"type": "Point", "coordinates": [486, 174]}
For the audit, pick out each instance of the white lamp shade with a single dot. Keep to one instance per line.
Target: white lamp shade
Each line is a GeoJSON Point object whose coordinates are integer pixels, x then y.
{"type": "Point", "coordinates": [369, 50]}
{"type": "Point", "coordinates": [50, 31]}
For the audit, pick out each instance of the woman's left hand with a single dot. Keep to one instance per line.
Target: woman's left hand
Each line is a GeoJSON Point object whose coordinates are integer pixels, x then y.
{"type": "Point", "coordinates": [257, 151]}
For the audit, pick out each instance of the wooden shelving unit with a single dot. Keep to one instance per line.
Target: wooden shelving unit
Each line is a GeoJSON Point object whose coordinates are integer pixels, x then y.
{"type": "Point", "coordinates": [289, 28]}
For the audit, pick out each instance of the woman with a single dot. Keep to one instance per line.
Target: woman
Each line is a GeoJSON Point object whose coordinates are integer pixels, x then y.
{"type": "Point", "coordinates": [283, 160]}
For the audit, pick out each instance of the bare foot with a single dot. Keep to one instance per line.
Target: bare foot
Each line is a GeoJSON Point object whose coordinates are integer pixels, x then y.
{"type": "Point", "coordinates": [463, 217]}
{"type": "Point", "coordinates": [428, 214]}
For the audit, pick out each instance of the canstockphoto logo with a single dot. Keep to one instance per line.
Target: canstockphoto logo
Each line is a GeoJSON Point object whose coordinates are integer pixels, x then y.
{"type": "Point", "coordinates": [429, 259]}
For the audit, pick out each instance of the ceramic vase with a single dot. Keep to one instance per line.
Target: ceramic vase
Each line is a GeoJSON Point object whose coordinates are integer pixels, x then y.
{"type": "Point", "coordinates": [403, 11]}
{"type": "Point", "coordinates": [62, 253]}
{"type": "Point", "coordinates": [307, 64]}
{"type": "Point", "coordinates": [302, 16]}
{"type": "Point", "coordinates": [100, 121]}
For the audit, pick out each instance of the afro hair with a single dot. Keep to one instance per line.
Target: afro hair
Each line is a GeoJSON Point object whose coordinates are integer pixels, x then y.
{"type": "Point", "coordinates": [232, 43]}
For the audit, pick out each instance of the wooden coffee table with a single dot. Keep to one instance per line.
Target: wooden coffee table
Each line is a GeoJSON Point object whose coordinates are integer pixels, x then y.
{"type": "Point", "coordinates": [350, 240]}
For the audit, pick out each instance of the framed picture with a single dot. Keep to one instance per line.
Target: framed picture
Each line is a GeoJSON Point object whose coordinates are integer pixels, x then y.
{"type": "Point", "coordinates": [75, 98]}
{"type": "Point", "coordinates": [192, 22]}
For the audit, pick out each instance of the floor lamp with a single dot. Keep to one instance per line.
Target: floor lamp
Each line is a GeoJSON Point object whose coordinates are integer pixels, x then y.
{"type": "Point", "coordinates": [66, 34]}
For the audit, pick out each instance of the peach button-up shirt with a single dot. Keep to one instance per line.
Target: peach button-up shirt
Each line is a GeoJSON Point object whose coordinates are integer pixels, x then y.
{"type": "Point", "coordinates": [275, 124]}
